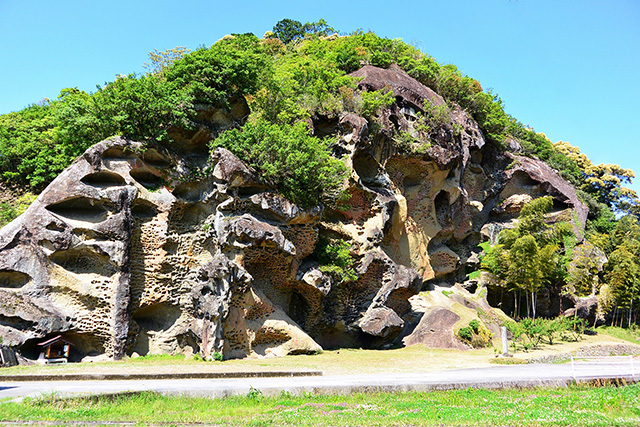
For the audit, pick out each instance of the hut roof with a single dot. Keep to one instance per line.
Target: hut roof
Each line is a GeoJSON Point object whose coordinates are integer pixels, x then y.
{"type": "Point", "coordinates": [55, 340]}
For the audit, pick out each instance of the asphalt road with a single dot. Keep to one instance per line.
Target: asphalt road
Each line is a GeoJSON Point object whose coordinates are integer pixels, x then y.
{"type": "Point", "coordinates": [493, 377]}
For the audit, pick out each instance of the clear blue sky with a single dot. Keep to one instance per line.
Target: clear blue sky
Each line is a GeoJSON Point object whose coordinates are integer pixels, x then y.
{"type": "Point", "coordinates": [569, 68]}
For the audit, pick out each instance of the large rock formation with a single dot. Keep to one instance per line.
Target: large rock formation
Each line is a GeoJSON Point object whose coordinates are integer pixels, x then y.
{"type": "Point", "coordinates": [166, 249]}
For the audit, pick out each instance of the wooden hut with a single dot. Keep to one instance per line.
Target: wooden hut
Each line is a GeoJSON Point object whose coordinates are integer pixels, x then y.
{"type": "Point", "coordinates": [55, 350]}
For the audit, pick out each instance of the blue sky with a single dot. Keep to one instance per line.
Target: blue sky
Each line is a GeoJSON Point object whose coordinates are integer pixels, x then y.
{"type": "Point", "coordinates": [569, 68]}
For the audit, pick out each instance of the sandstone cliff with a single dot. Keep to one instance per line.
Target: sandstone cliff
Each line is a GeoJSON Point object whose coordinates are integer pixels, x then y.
{"type": "Point", "coordinates": [168, 249]}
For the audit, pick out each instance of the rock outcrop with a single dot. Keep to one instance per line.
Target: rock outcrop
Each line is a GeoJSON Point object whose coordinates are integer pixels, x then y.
{"type": "Point", "coordinates": [148, 248]}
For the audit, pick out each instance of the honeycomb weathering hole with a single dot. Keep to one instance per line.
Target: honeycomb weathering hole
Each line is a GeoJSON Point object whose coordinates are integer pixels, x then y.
{"type": "Point", "coordinates": [188, 191]}
{"type": "Point", "coordinates": [143, 209]}
{"type": "Point", "coordinates": [146, 178]}
{"type": "Point", "coordinates": [365, 165]}
{"type": "Point", "coordinates": [84, 260]}
{"type": "Point", "coordinates": [154, 158]}
{"type": "Point", "coordinates": [103, 179]}
{"type": "Point", "coordinates": [81, 209]}
{"type": "Point", "coordinates": [157, 317]}
{"type": "Point", "coordinates": [115, 153]}
{"type": "Point", "coordinates": [13, 279]}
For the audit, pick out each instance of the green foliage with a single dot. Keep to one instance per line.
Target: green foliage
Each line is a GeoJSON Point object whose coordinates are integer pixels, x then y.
{"type": "Point", "coordinates": [7, 213]}
{"type": "Point", "coordinates": [288, 30]}
{"type": "Point", "coordinates": [475, 326]}
{"type": "Point", "coordinates": [159, 60]}
{"type": "Point", "coordinates": [580, 405]}
{"type": "Point", "coordinates": [475, 334]}
{"type": "Point", "coordinates": [11, 209]}
{"type": "Point", "coordinates": [303, 84]}
{"type": "Point", "coordinates": [232, 67]}
{"type": "Point", "coordinates": [631, 335]}
{"type": "Point", "coordinates": [140, 108]}
{"type": "Point", "coordinates": [622, 275]}
{"type": "Point", "coordinates": [602, 183]}
{"type": "Point", "coordinates": [532, 255]}
{"type": "Point", "coordinates": [465, 333]}
{"type": "Point", "coordinates": [539, 145]}
{"type": "Point", "coordinates": [530, 333]}
{"type": "Point", "coordinates": [335, 259]}
{"type": "Point", "coordinates": [373, 101]}
{"type": "Point", "coordinates": [29, 155]}
{"type": "Point", "coordinates": [254, 393]}
{"type": "Point", "coordinates": [474, 275]}
{"type": "Point", "coordinates": [288, 158]}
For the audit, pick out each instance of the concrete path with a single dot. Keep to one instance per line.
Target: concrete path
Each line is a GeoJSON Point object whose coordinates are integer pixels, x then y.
{"type": "Point", "coordinates": [615, 369]}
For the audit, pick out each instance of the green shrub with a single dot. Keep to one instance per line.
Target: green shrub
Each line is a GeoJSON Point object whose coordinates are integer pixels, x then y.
{"type": "Point", "coordinates": [529, 333]}
{"type": "Point", "coordinates": [373, 101]}
{"type": "Point", "coordinates": [335, 259]}
{"type": "Point", "coordinates": [7, 213]}
{"type": "Point", "coordinates": [475, 334]}
{"type": "Point", "coordinates": [286, 157]}
{"type": "Point", "coordinates": [475, 325]}
{"type": "Point", "coordinates": [466, 333]}
{"type": "Point", "coordinates": [14, 208]}
{"type": "Point", "coordinates": [232, 67]}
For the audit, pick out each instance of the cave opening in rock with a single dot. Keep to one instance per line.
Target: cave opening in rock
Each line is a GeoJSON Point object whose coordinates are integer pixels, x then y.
{"type": "Point", "coordinates": [146, 178]}
{"type": "Point", "coordinates": [103, 179]}
{"type": "Point", "coordinates": [84, 260]}
{"type": "Point", "coordinates": [325, 126]}
{"type": "Point", "coordinates": [188, 191]}
{"type": "Point", "coordinates": [366, 166]}
{"type": "Point", "coordinates": [13, 279]}
{"type": "Point", "coordinates": [117, 153]}
{"type": "Point", "coordinates": [298, 308]}
{"type": "Point", "coordinates": [81, 345]}
{"type": "Point", "coordinates": [152, 157]}
{"type": "Point", "coordinates": [443, 208]}
{"type": "Point", "coordinates": [16, 322]}
{"type": "Point", "coordinates": [559, 205]}
{"type": "Point", "coordinates": [157, 317]}
{"type": "Point", "coordinates": [152, 320]}
{"type": "Point", "coordinates": [80, 209]}
{"type": "Point", "coordinates": [143, 209]}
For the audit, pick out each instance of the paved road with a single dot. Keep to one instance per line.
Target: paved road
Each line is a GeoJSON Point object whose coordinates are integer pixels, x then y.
{"type": "Point", "coordinates": [493, 377]}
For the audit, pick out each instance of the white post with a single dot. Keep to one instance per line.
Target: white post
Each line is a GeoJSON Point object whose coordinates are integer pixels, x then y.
{"type": "Point", "coordinates": [505, 344]}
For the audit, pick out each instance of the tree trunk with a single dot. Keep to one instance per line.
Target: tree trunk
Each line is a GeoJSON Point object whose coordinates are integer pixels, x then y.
{"type": "Point", "coordinates": [631, 306]}
{"type": "Point", "coordinates": [533, 303]}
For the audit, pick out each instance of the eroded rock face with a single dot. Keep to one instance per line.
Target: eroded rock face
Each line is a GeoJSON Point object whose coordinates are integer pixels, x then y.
{"type": "Point", "coordinates": [151, 249]}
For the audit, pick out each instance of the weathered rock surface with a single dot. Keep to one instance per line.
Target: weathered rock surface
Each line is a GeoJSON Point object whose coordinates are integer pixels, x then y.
{"type": "Point", "coordinates": [166, 249]}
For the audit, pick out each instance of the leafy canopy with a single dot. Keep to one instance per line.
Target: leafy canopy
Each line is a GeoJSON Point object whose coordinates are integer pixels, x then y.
{"type": "Point", "coordinates": [289, 159]}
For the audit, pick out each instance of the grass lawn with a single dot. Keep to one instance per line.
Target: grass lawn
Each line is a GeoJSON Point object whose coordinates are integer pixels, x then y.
{"type": "Point", "coordinates": [332, 362]}
{"type": "Point", "coordinates": [573, 406]}
{"type": "Point", "coordinates": [625, 334]}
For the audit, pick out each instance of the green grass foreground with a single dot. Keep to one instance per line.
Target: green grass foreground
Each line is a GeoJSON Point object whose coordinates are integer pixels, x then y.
{"type": "Point", "coordinates": [573, 406]}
